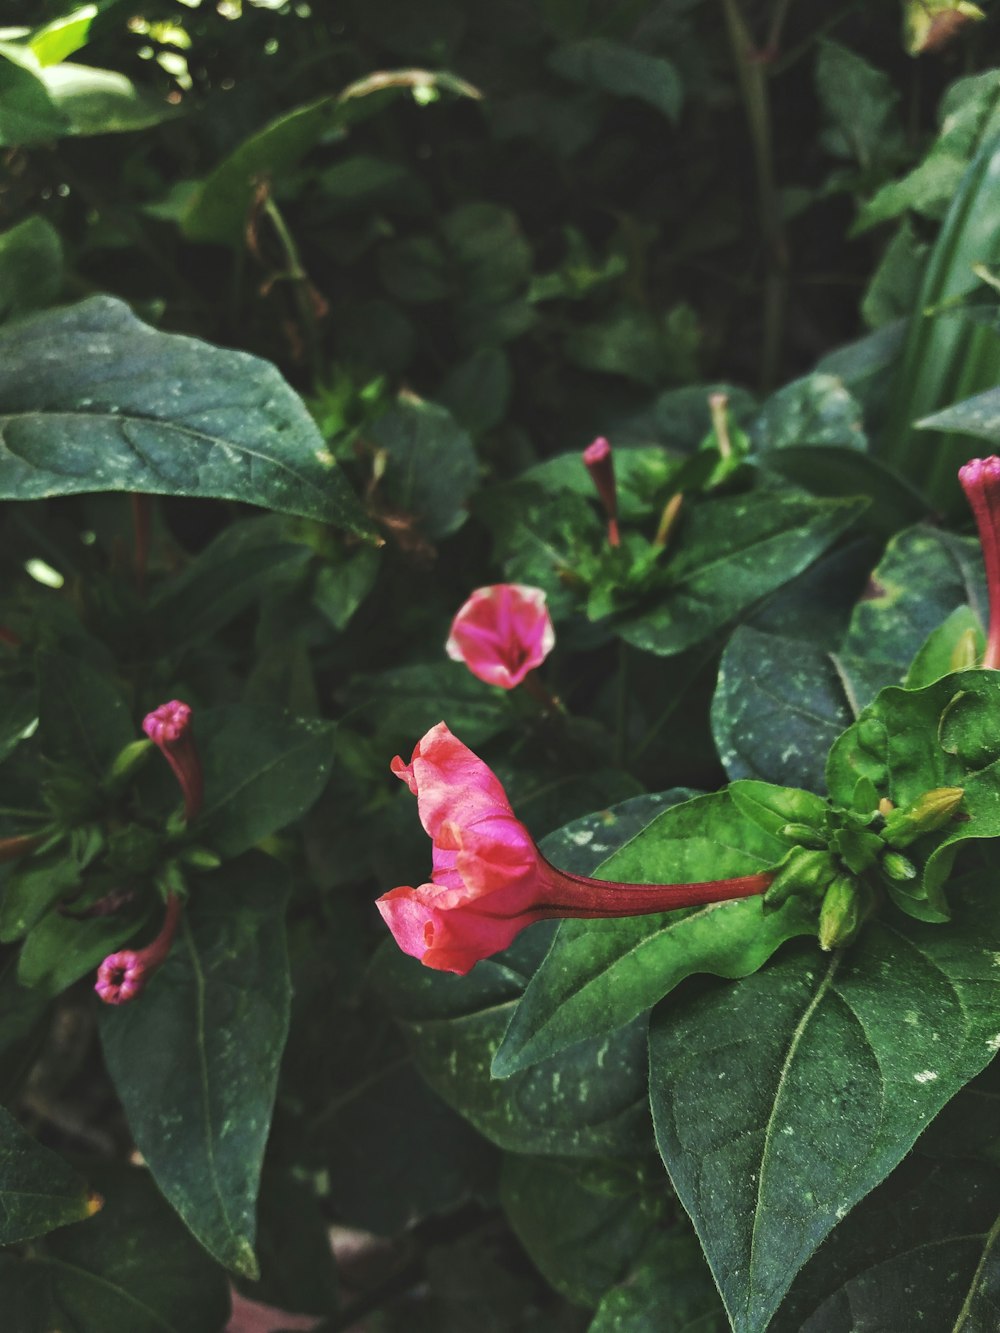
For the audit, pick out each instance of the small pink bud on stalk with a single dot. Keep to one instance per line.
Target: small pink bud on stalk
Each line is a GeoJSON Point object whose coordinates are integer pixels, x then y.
{"type": "Point", "coordinates": [600, 464]}
{"type": "Point", "coordinates": [980, 479]}
{"type": "Point", "coordinates": [169, 727]}
{"type": "Point", "coordinates": [123, 975]}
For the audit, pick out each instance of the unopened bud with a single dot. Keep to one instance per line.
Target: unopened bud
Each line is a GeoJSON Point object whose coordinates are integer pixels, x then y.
{"type": "Point", "coordinates": [842, 913]}
{"type": "Point", "coordinates": [898, 867]}
{"type": "Point", "coordinates": [928, 812]}
{"type": "Point", "coordinates": [128, 760]}
{"type": "Point", "coordinates": [802, 871]}
{"type": "Point", "coordinates": [200, 858]}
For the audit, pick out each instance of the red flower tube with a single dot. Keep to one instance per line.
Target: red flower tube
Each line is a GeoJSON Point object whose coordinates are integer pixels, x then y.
{"type": "Point", "coordinates": [489, 880]}
{"type": "Point", "coordinates": [169, 728]}
{"type": "Point", "coordinates": [501, 633]}
{"type": "Point", "coordinates": [123, 975]}
{"type": "Point", "coordinates": [980, 479]}
{"type": "Point", "coordinates": [599, 462]}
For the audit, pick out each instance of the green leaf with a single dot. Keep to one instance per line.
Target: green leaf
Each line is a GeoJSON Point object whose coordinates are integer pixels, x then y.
{"type": "Point", "coordinates": [924, 1240]}
{"type": "Point", "coordinates": [580, 1238]}
{"type": "Point", "coordinates": [101, 101]}
{"type": "Point", "coordinates": [31, 263]}
{"type": "Point", "coordinates": [82, 715]}
{"type": "Point", "coordinates": [38, 1191]}
{"type": "Point", "coordinates": [816, 410]}
{"type": "Point", "coordinates": [404, 702]}
{"type": "Point", "coordinates": [958, 642]}
{"type": "Point", "coordinates": [782, 1101]}
{"type": "Point", "coordinates": [18, 710]}
{"type": "Point", "coordinates": [340, 589]}
{"type": "Point", "coordinates": [731, 553]}
{"type": "Point", "coordinates": [779, 705]}
{"type": "Point", "coordinates": [133, 1266]}
{"type": "Point", "coordinates": [431, 464]}
{"type": "Point", "coordinates": [63, 36]}
{"type": "Point", "coordinates": [894, 284]}
{"type": "Point", "coordinates": [33, 888]}
{"type": "Point", "coordinates": [27, 113]}
{"type": "Point", "coordinates": [262, 770]}
{"type": "Point", "coordinates": [978, 416]}
{"type": "Point", "coordinates": [912, 741]}
{"type": "Point", "coordinates": [195, 1059]}
{"type": "Point", "coordinates": [621, 70]}
{"type": "Point", "coordinates": [477, 390]}
{"type": "Point", "coordinates": [599, 975]}
{"type": "Point", "coordinates": [860, 105]}
{"type": "Point", "coordinates": [834, 470]}
{"type": "Point", "coordinates": [923, 576]}
{"type": "Point", "coordinates": [669, 1290]}
{"type": "Point", "coordinates": [91, 399]}
{"type": "Point", "coordinates": [62, 949]}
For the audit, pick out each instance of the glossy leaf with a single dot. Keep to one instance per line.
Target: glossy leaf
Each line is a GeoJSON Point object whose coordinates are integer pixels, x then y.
{"type": "Point", "coordinates": [38, 1191]}
{"type": "Point", "coordinates": [195, 1059]}
{"type": "Point", "coordinates": [91, 399]}
{"type": "Point", "coordinates": [782, 1101]}
{"type": "Point", "coordinates": [599, 975]}
{"type": "Point", "coordinates": [406, 701]}
{"type": "Point", "coordinates": [734, 552]}
{"type": "Point", "coordinates": [779, 705]}
{"type": "Point", "coordinates": [669, 1290]}
{"type": "Point", "coordinates": [60, 949]}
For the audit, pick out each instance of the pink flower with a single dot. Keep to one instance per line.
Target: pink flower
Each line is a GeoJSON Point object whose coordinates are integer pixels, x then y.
{"type": "Point", "coordinates": [123, 975]}
{"type": "Point", "coordinates": [169, 727]}
{"type": "Point", "coordinates": [501, 633]}
{"type": "Point", "coordinates": [980, 479]}
{"type": "Point", "coordinates": [489, 880]}
{"type": "Point", "coordinates": [599, 462]}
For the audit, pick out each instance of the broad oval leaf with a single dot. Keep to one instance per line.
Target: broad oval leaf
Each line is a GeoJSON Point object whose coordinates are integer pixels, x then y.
{"type": "Point", "coordinates": [195, 1059]}
{"type": "Point", "coordinates": [781, 1101]}
{"type": "Point", "coordinates": [92, 399]}
{"type": "Point", "coordinates": [599, 975]}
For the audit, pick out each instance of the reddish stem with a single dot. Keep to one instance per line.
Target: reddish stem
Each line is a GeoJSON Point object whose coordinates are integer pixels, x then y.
{"type": "Point", "coordinates": [580, 896]}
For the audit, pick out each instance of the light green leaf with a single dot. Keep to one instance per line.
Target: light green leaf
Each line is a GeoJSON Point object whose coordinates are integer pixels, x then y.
{"type": "Point", "coordinates": [195, 1059]}
{"type": "Point", "coordinates": [31, 264]}
{"type": "Point", "coordinates": [91, 399]}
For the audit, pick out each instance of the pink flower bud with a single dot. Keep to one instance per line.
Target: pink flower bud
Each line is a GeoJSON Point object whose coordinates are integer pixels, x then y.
{"type": "Point", "coordinates": [501, 633]}
{"type": "Point", "coordinates": [489, 880]}
{"type": "Point", "coordinates": [169, 727]}
{"type": "Point", "coordinates": [123, 975]}
{"type": "Point", "coordinates": [600, 463]}
{"type": "Point", "coordinates": [980, 479]}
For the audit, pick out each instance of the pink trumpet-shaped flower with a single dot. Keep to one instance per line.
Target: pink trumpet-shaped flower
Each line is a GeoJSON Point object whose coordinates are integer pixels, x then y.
{"type": "Point", "coordinates": [501, 633]}
{"type": "Point", "coordinates": [600, 463]}
{"type": "Point", "coordinates": [980, 479]}
{"type": "Point", "coordinates": [123, 975]}
{"type": "Point", "coordinates": [489, 880]}
{"type": "Point", "coordinates": [169, 727]}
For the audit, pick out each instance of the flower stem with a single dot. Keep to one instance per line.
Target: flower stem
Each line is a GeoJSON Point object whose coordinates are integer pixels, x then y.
{"type": "Point", "coordinates": [580, 896]}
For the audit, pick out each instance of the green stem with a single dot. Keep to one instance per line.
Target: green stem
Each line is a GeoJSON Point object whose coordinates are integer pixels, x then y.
{"type": "Point", "coordinates": [299, 278]}
{"type": "Point", "coordinates": [752, 76]}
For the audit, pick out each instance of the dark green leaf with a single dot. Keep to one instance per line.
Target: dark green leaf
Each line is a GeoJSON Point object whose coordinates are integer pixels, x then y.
{"type": "Point", "coordinates": [817, 410]}
{"type": "Point", "coordinates": [262, 770]}
{"type": "Point", "coordinates": [621, 70]}
{"type": "Point", "coordinates": [431, 465]}
{"type": "Point", "coordinates": [27, 113]}
{"type": "Point", "coordinates": [61, 949]}
{"type": "Point", "coordinates": [134, 1267]}
{"type": "Point", "coordinates": [298, 1270]}
{"type": "Point", "coordinates": [404, 702]}
{"type": "Point", "coordinates": [778, 707]}
{"type": "Point", "coordinates": [782, 1101]}
{"type": "Point", "coordinates": [476, 391]}
{"type": "Point", "coordinates": [733, 552]}
{"type": "Point", "coordinates": [599, 975]}
{"type": "Point", "coordinates": [82, 716]}
{"type": "Point", "coordinates": [581, 1238]}
{"type": "Point", "coordinates": [195, 1059]}
{"type": "Point", "coordinates": [38, 1191]}
{"type": "Point", "coordinates": [669, 1290]}
{"type": "Point", "coordinates": [340, 589]}
{"type": "Point", "coordinates": [91, 399]}
{"type": "Point", "coordinates": [860, 105]}
{"type": "Point", "coordinates": [30, 267]}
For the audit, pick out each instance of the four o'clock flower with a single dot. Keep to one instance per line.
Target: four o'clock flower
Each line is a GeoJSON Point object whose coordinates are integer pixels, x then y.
{"type": "Point", "coordinates": [980, 479]}
{"type": "Point", "coordinates": [489, 880]}
{"type": "Point", "coordinates": [123, 975]}
{"type": "Point", "coordinates": [169, 727]}
{"type": "Point", "coordinates": [601, 465]}
{"type": "Point", "coordinates": [501, 633]}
